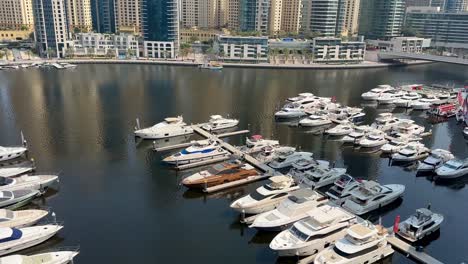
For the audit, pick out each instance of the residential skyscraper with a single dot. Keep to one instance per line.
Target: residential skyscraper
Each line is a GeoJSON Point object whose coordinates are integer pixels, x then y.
{"type": "Point", "coordinates": [233, 14]}
{"type": "Point", "coordinates": [15, 14]}
{"type": "Point", "coordinates": [160, 20]}
{"type": "Point", "coordinates": [276, 9]}
{"type": "Point", "coordinates": [351, 16]}
{"type": "Point", "coordinates": [79, 14]}
{"type": "Point", "coordinates": [381, 19]}
{"type": "Point", "coordinates": [433, 3]}
{"type": "Point", "coordinates": [291, 15]}
{"type": "Point", "coordinates": [204, 13]}
{"type": "Point", "coordinates": [103, 16]}
{"type": "Point", "coordinates": [456, 6]}
{"type": "Point", "coordinates": [128, 15]}
{"type": "Point", "coordinates": [323, 16]}
{"type": "Point", "coordinates": [51, 26]}
{"type": "Point", "coordinates": [254, 15]}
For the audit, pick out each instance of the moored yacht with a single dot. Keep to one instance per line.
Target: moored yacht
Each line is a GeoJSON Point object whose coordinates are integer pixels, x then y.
{"type": "Point", "coordinates": [358, 133]}
{"type": "Point", "coordinates": [21, 218]}
{"type": "Point", "coordinates": [408, 127]}
{"type": "Point", "coordinates": [56, 257]}
{"type": "Point", "coordinates": [370, 196]}
{"type": "Point", "coordinates": [398, 143]}
{"type": "Point", "coordinates": [300, 97]}
{"type": "Point", "coordinates": [411, 152]}
{"type": "Point", "coordinates": [425, 103]}
{"type": "Point", "coordinates": [296, 109]}
{"type": "Point", "coordinates": [170, 127]}
{"type": "Point", "coordinates": [375, 93]}
{"type": "Point", "coordinates": [385, 122]}
{"type": "Point", "coordinates": [292, 209]}
{"type": "Point", "coordinates": [342, 189]}
{"type": "Point", "coordinates": [323, 226]}
{"type": "Point", "coordinates": [256, 143]}
{"type": "Point", "coordinates": [436, 159]}
{"type": "Point", "coordinates": [12, 170]}
{"type": "Point", "coordinates": [407, 100]}
{"type": "Point", "coordinates": [465, 132]}
{"type": "Point", "coordinates": [218, 122]}
{"type": "Point", "coordinates": [199, 151]}
{"type": "Point", "coordinates": [266, 197]}
{"type": "Point", "coordinates": [340, 130]}
{"type": "Point", "coordinates": [288, 158]}
{"type": "Point", "coordinates": [13, 239]}
{"type": "Point", "coordinates": [322, 176]}
{"type": "Point", "coordinates": [421, 224]}
{"type": "Point", "coordinates": [35, 182]}
{"type": "Point", "coordinates": [8, 153]}
{"type": "Point", "coordinates": [373, 139]}
{"type": "Point", "coordinates": [315, 120]}
{"type": "Point", "coordinates": [453, 169]}
{"type": "Point", "coordinates": [363, 243]}
{"type": "Point", "coordinates": [17, 198]}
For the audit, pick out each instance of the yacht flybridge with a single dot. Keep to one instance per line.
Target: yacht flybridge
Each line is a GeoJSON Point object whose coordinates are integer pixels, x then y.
{"type": "Point", "coordinates": [436, 159]}
{"type": "Point", "coordinates": [170, 127]}
{"type": "Point", "coordinates": [375, 93]}
{"type": "Point", "coordinates": [370, 196]}
{"type": "Point", "coordinates": [363, 243]}
{"type": "Point", "coordinates": [288, 158]}
{"type": "Point", "coordinates": [342, 189]}
{"type": "Point", "coordinates": [217, 122]}
{"type": "Point", "coordinates": [267, 197]}
{"type": "Point", "coordinates": [411, 152]}
{"type": "Point", "coordinates": [322, 226]}
{"type": "Point", "coordinates": [199, 151]}
{"type": "Point", "coordinates": [321, 176]}
{"type": "Point", "coordinates": [256, 143]}
{"type": "Point", "coordinates": [421, 224]}
{"type": "Point", "coordinates": [292, 209]}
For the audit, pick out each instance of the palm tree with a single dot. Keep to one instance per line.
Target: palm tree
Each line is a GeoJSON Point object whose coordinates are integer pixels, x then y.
{"type": "Point", "coordinates": [286, 54]}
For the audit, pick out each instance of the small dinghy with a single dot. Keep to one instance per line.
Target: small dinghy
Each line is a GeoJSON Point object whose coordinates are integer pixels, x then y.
{"type": "Point", "coordinates": [56, 257]}
{"type": "Point", "coordinates": [16, 199]}
{"type": "Point", "coordinates": [21, 218]}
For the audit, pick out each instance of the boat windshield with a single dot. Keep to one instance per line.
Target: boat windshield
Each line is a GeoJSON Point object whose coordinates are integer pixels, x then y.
{"type": "Point", "coordinates": [257, 196]}
{"type": "Point", "coordinates": [359, 201]}
{"type": "Point", "coordinates": [407, 154]}
{"type": "Point", "coordinates": [215, 169]}
{"type": "Point", "coordinates": [5, 181]}
{"type": "Point", "coordinates": [298, 234]}
{"type": "Point", "coordinates": [453, 166]}
{"type": "Point", "coordinates": [432, 162]}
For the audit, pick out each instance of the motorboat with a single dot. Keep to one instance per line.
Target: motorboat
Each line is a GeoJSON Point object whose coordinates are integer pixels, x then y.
{"type": "Point", "coordinates": [269, 153]}
{"type": "Point", "coordinates": [358, 133]}
{"type": "Point", "coordinates": [218, 122]}
{"type": "Point", "coordinates": [300, 97]}
{"type": "Point", "coordinates": [215, 66]}
{"type": "Point", "coordinates": [322, 176]}
{"type": "Point", "coordinates": [34, 182]}
{"type": "Point", "coordinates": [370, 196]}
{"type": "Point", "coordinates": [199, 151]}
{"type": "Point", "coordinates": [69, 65]}
{"type": "Point", "coordinates": [17, 198]}
{"type": "Point", "coordinates": [453, 168]}
{"type": "Point", "coordinates": [419, 225]}
{"type": "Point", "coordinates": [363, 243]}
{"type": "Point", "coordinates": [323, 226]}
{"type": "Point", "coordinates": [307, 164]}
{"type": "Point", "coordinates": [340, 130]}
{"type": "Point", "coordinates": [266, 197]}
{"type": "Point", "coordinates": [388, 98]}
{"type": "Point", "coordinates": [315, 120]}
{"type": "Point", "coordinates": [16, 239]}
{"type": "Point", "coordinates": [296, 109]}
{"type": "Point", "coordinates": [232, 173]}
{"type": "Point", "coordinates": [425, 103]}
{"type": "Point", "coordinates": [373, 139]}
{"type": "Point", "coordinates": [8, 153]}
{"type": "Point", "coordinates": [385, 122]}
{"type": "Point", "coordinates": [55, 257]}
{"type": "Point", "coordinates": [436, 159]}
{"type": "Point", "coordinates": [292, 209]}
{"type": "Point", "coordinates": [170, 127]}
{"type": "Point", "coordinates": [375, 93]}
{"type": "Point", "coordinates": [12, 170]}
{"type": "Point", "coordinates": [21, 218]}
{"type": "Point", "coordinates": [398, 143]}
{"type": "Point", "coordinates": [408, 127]}
{"type": "Point", "coordinates": [342, 188]}
{"type": "Point", "coordinates": [407, 100]}
{"type": "Point", "coordinates": [288, 158]}
{"type": "Point", "coordinates": [411, 152]}
{"type": "Point", "coordinates": [256, 143]}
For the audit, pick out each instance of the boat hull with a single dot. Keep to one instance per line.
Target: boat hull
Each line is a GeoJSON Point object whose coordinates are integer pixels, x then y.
{"type": "Point", "coordinates": [183, 161]}
{"type": "Point", "coordinates": [371, 257]}
{"type": "Point", "coordinates": [12, 155]}
{"type": "Point", "coordinates": [161, 135]}
{"type": "Point", "coordinates": [9, 247]}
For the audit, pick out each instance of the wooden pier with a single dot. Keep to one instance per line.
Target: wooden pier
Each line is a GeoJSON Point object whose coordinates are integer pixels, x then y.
{"type": "Point", "coordinates": [411, 251]}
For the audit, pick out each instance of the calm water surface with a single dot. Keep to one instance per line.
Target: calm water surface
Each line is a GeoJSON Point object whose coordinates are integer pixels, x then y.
{"type": "Point", "coordinates": [122, 206]}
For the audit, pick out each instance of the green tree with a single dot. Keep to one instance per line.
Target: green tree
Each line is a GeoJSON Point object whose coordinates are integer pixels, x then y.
{"type": "Point", "coordinates": [110, 53]}
{"type": "Point", "coordinates": [193, 39]}
{"type": "Point", "coordinates": [286, 55]}
{"type": "Point", "coordinates": [24, 27]}
{"type": "Point", "coordinates": [184, 50]}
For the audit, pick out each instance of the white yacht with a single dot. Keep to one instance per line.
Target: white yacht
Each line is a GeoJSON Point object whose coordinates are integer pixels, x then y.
{"type": "Point", "coordinates": [398, 143]}
{"type": "Point", "coordinates": [358, 133]}
{"type": "Point", "coordinates": [363, 243]}
{"type": "Point", "coordinates": [436, 159]}
{"type": "Point", "coordinates": [35, 182]}
{"type": "Point", "coordinates": [17, 198]}
{"type": "Point", "coordinates": [16, 169]}
{"type": "Point", "coordinates": [340, 130]}
{"type": "Point", "coordinates": [373, 139]}
{"type": "Point", "coordinates": [370, 196]}
{"type": "Point", "coordinates": [375, 93]}
{"type": "Point", "coordinates": [287, 159]}
{"type": "Point", "coordinates": [217, 122]}
{"type": "Point", "coordinates": [323, 226]}
{"type": "Point", "coordinates": [322, 176]}
{"type": "Point", "coordinates": [170, 127]}
{"type": "Point", "coordinates": [453, 169]}
{"type": "Point", "coordinates": [256, 143]}
{"type": "Point", "coordinates": [296, 109]}
{"type": "Point", "coordinates": [21, 218]}
{"type": "Point", "coordinates": [199, 151]}
{"type": "Point", "coordinates": [421, 224]}
{"type": "Point", "coordinates": [407, 100]}
{"type": "Point", "coordinates": [411, 152]}
{"type": "Point", "coordinates": [385, 122]}
{"type": "Point", "coordinates": [56, 257]}
{"type": "Point", "coordinates": [8, 153]}
{"type": "Point", "coordinates": [342, 189]}
{"type": "Point", "coordinates": [315, 120]}
{"type": "Point", "coordinates": [69, 65]}
{"type": "Point", "coordinates": [13, 239]}
{"type": "Point", "coordinates": [292, 209]}
{"type": "Point", "coordinates": [300, 97]}
{"type": "Point", "coordinates": [408, 127]}
{"type": "Point", "coordinates": [425, 103]}
{"type": "Point", "coordinates": [389, 98]}
{"type": "Point", "coordinates": [266, 197]}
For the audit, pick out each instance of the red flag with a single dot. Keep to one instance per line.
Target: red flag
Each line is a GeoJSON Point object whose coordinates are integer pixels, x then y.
{"type": "Point", "coordinates": [396, 224]}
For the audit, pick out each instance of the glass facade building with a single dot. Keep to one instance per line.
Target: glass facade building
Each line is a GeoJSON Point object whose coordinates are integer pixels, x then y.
{"type": "Point", "coordinates": [324, 16]}
{"type": "Point", "coordinates": [254, 15]}
{"type": "Point", "coordinates": [103, 15]}
{"type": "Point", "coordinates": [160, 20]}
{"type": "Point", "coordinates": [381, 19]}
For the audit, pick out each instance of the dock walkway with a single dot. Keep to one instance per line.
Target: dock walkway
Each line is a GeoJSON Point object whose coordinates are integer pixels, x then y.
{"type": "Point", "coordinates": [411, 251]}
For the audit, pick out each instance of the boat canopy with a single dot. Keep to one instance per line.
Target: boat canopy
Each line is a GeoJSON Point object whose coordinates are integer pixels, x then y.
{"type": "Point", "coordinates": [361, 231]}
{"type": "Point", "coordinates": [8, 234]}
{"type": "Point", "coordinates": [173, 119]}
{"type": "Point", "coordinates": [216, 117]}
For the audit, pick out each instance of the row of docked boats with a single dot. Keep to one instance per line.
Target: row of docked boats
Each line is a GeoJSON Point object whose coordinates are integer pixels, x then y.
{"type": "Point", "coordinates": [57, 65]}
{"type": "Point", "coordinates": [22, 229]}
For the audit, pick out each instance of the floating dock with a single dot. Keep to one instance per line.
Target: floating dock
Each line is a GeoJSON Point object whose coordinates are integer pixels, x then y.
{"type": "Point", "coordinates": [411, 251]}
